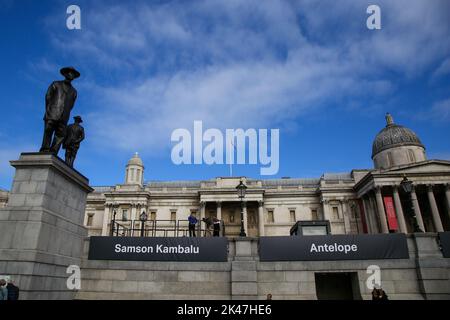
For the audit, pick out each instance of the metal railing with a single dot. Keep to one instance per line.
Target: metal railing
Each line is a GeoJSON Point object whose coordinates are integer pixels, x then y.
{"type": "Point", "coordinates": [155, 228]}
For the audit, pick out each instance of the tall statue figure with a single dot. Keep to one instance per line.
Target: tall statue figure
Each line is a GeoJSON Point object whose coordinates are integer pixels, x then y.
{"type": "Point", "coordinates": [59, 101]}
{"type": "Point", "coordinates": [74, 136]}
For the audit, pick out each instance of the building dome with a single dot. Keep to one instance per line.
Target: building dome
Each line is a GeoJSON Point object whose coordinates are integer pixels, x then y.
{"type": "Point", "coordinates": [394, 135]}
{"type": "Point", "coordinates": [136, 160]}
{"type": "Point", "coordinates": [134, 173]}
{"type": "Point", "coordinates": [396, 145]}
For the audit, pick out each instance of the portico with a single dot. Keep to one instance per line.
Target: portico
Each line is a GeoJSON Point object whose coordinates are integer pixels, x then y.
{"type": "Point", "coordinates": [221, 200]}
{"type": "Point", "coordinates": [428, 200]}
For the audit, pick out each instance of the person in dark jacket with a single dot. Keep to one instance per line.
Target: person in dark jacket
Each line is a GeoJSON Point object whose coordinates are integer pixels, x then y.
{"type": "Point", "coordinates": [13, 291]}
{"type": "Point", "coordinates": [216, 229]}
{"type": "Point", "coordinates": [379, 294]}
{"type": "Point", "coordinates": [74, 136]}
{"type": "Point", "coordinates": [3, 290]}
{"type": "Point", "coordinates": [59, 101]}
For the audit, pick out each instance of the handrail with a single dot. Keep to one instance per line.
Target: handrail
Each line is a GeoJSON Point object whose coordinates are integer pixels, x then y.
{"type": "Point", "coordinates": [153, 228]}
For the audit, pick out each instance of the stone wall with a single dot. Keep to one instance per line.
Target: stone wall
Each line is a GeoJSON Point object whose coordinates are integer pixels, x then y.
{"type": "Point", "coordinates": [426, 275]}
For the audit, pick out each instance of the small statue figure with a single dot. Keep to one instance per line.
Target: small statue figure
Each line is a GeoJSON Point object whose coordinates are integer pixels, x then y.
{"type": "Point", "coordinates": [74, 136]}
{"type": "Point", "coordinates": [59, 101]}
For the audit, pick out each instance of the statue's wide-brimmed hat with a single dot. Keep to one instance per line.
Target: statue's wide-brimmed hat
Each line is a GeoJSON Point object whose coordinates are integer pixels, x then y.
{"type": "Point", "coordinates": [77, 118]}
{"type": "Point", "coordinates": [66, 70]}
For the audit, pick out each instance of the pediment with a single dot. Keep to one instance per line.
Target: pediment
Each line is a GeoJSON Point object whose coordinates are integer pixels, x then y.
{"type": "Point", "coordinates": [422, 167]}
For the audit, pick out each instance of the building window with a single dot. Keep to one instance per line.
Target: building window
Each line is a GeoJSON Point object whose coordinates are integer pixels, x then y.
{"type": "Point", "coordinates": [292, 215]}
{"type": "Point", "coordinates": [335, 213]}
{"type": "Point", "coordinates": [90, 219]}
{"type": "Point", "coordinates": [138, 178]}
{"type": "Point", "coordinates": [314, 215]}
{"type": "Point", "coordinates": [270, 217]}
{"type": "Point", "coordinates": [173, 215]}
{"type": "Point", "coordinates": [124, 214]}
{"type": "Point", "coordinates": [153, 215]}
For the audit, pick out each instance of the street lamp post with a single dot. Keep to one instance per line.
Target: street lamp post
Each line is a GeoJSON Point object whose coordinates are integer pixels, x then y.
{"type": "Point", "coordinates": [143, 218]}
{"type": "Point", "coordinates": [407, 186]}
{"type": "Point", "coordinates": [241, 189]}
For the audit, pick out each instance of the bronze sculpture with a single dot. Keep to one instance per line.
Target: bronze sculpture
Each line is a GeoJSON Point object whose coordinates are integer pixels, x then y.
{"type": "Point", "coordinates": [72, 140]}
{"type": "Point", "coordinates": [59, 101]}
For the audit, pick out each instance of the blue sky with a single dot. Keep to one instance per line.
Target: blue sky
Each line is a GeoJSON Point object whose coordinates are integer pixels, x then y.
{"type": "Point", "coordinates": [310, 68]}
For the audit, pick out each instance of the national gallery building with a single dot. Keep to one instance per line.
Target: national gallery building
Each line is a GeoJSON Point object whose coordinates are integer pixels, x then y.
{"type": "Point", "coordinates": [361, 201]}
{"type": "Point", "coordinates": [335, 237]}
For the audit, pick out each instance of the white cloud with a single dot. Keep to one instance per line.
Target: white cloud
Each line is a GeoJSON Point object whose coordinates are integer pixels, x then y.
{"type": "Point", "coordinates": [242, 63]}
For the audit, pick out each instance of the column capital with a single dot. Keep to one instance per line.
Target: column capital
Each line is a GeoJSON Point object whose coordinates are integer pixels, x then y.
{"type": "Point", "coordinates": [447, 187]}
{"type": "Point", "coordinates": [219, 203]}
{"type": "Point", "coordinates": [202, 204]}
{"type": "Point", "coordinates": [395, 187]}
{"type": "Point", "coordinates": [260, 203]}
{"type": "Point", "coordinates": [378, 189]}
{"type": "Point", "coordinates": [430, 187]}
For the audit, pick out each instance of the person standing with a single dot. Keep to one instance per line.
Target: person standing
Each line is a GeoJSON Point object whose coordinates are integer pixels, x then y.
{"type": "Point", "coordinates": [13, 291]}
{"type": "Point", "coordinates": [208, 226]}
{"type": "Point", "coordinates": [216, 232]}
{"type": "Point", "coordinates": [192, 223]}
{"type": "Point", "coordinates": [3, 290]}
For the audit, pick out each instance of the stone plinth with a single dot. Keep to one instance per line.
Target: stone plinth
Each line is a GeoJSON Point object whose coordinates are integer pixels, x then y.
{"type": "Point", "coordinates": [41, 229]}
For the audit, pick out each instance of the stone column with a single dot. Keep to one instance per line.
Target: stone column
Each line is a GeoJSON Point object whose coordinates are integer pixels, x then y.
{"type": "Point", "coordinates": [447, 196]}
{"type": "Point", "coordinates": [417, 212]}
{"type": "Point", "coordinates": [219, 210]}
{"type": "Point", "coordinates": [261, 218]}
{"type": "Point", "coordinates": [399, 210]}
{"type": "Point", "coordinates": [219, 216]}
{"type": "Point", "coordinates": [367, 214]}
{"type": "Point", "coordinates": [381, 212]}
{"type": "Point", "coordinates": [245, 217]}
{"type": "Point", "coordinates": [373, 214]}
{"type": "Point", "coordinates": [202, 215]}
{"type": "Point", "coordinates": [325, 210]}
{"type": "Point", "coordinates": [133, 211]}
{"type": "Point", "coordinates": [106, 219]}
{"type": "Point", "coordinates": [434, 210]}
{"type": "Point", "coordinates": [346, 216]}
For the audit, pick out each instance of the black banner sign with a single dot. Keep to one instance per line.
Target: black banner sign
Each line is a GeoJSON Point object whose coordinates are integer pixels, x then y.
{"type": "Point", "coordinates": [444, 240]}
{"type": "Point", "coordinates": [210, 249]}
{"type": "Point", "coordinates": [334, 247]}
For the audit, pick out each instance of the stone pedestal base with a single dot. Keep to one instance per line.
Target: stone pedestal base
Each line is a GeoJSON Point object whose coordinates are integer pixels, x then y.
{"type": "Point", "coordinates": [41, 229]}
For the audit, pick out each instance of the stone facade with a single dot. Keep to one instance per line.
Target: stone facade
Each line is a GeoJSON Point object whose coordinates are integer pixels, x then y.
{"type": "Point", "coordinates": [352, 202]}
{"type": "Point", "coordinates": [425, 275]}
